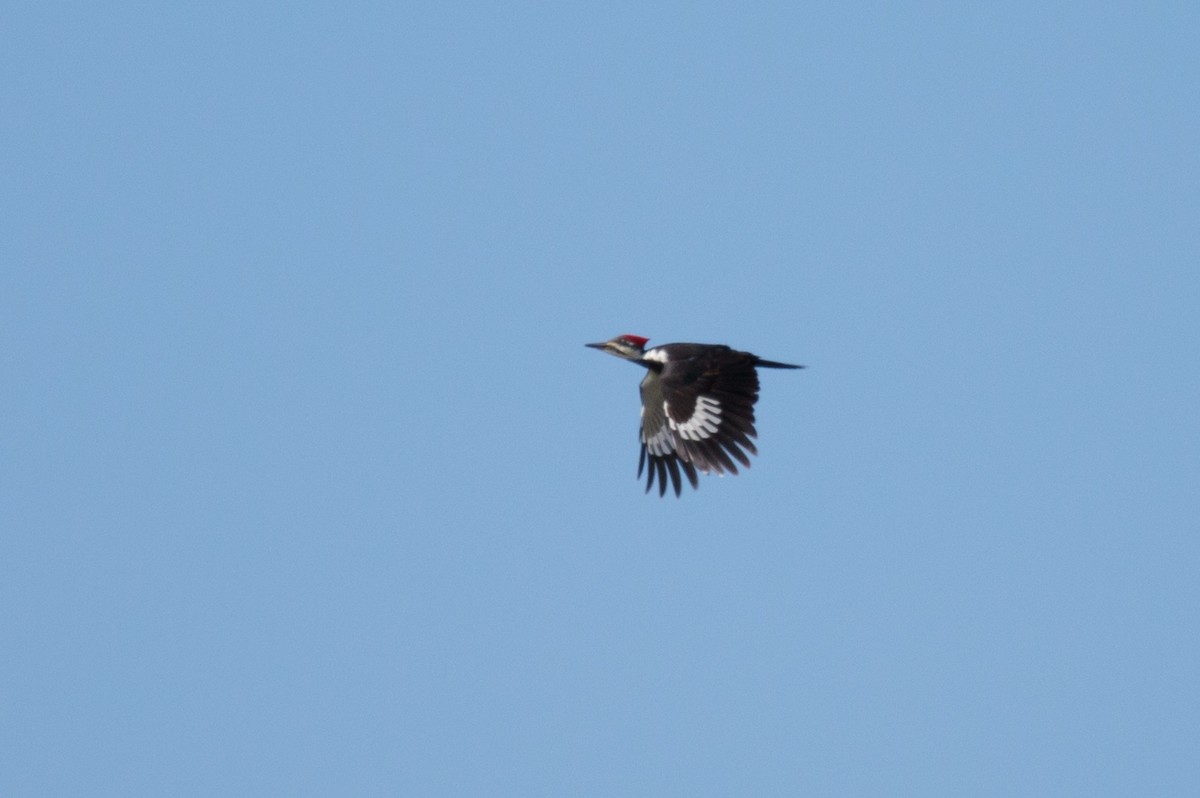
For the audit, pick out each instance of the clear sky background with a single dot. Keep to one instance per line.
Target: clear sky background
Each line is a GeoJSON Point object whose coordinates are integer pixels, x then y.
{"type": "Point", "coordinates": [309, 486]}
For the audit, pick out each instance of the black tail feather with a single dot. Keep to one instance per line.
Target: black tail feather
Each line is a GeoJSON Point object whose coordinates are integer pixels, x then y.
{"type": "Point", "coordinates": [771, 364]}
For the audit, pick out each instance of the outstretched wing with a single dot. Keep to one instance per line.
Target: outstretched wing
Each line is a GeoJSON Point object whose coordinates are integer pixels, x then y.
{"type": "Point", "coordinates": [709, 406]}
{"type": "Point", "coordinates": [659, 441]}
{"type": "Point", "coordinates": [698, 414]}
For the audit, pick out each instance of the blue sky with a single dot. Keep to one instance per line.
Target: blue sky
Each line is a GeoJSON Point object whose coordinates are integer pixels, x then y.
{"type": "Point", "coordinates": [309, 486]}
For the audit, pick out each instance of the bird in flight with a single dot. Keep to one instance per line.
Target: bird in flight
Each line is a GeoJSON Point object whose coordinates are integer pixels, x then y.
{"type": "Point", "coordinates": [697, 407]}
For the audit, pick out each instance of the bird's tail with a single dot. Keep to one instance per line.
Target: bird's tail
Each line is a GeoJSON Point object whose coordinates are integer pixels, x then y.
{"type": "Point", "coordinates": [771, 364]}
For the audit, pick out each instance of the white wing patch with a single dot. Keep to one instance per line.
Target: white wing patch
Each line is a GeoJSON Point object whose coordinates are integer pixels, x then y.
{"type": "Point", "coordinates": [660, 443]}
{"type": "Point", "coordinates": [655, 354]}
{"type": "Point", "coordinates": [704, 421]}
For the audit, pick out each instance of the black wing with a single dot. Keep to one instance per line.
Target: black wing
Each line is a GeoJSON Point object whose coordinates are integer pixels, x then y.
{"type": "Point", "coordinates": [709, 404]}
{"type": "Point", "coordinates": [659, 445]}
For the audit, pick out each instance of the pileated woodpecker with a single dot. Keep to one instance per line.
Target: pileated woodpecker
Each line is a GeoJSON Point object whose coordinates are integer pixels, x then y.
{"type": "Point", "coordinates": [697, 407]}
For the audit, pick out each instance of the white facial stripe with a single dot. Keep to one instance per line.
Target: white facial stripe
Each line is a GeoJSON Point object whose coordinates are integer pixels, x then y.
{"type": "Point", "coordinates": [656, 355]}
{"type": "Point", "coordinates": [706, 417]}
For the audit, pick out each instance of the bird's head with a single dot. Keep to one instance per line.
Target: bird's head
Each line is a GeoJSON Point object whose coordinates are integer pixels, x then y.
{"type": "Point", "coordinates": [629, 347]}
